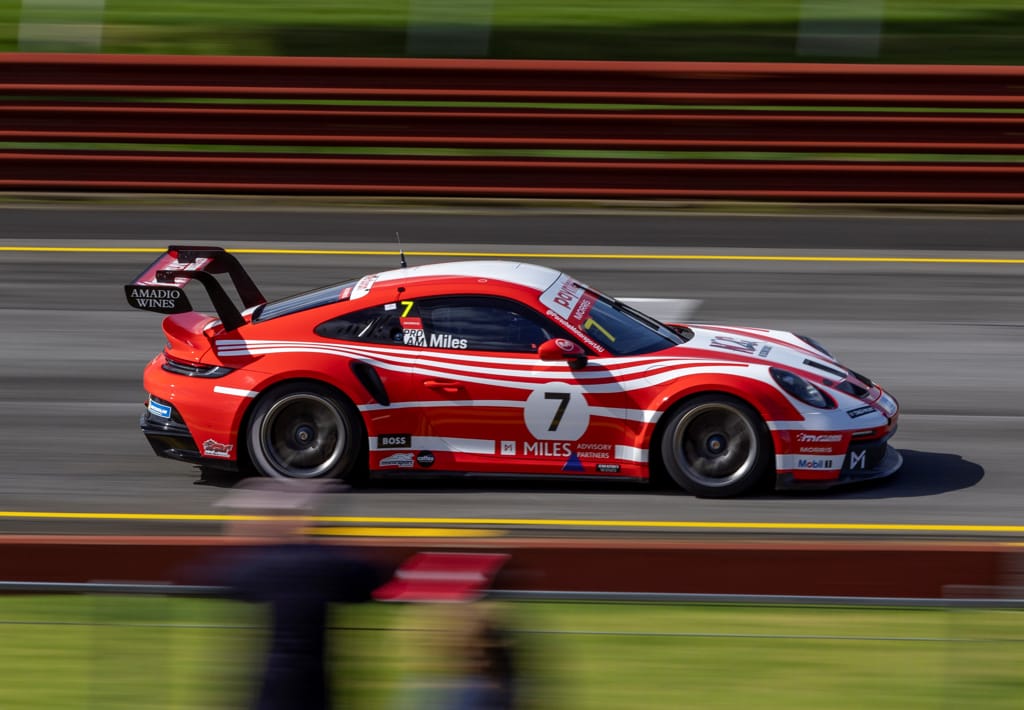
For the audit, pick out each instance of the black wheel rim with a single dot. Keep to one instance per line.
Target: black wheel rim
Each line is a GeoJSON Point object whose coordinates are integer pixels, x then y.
{"type": "Point", "coordinates": [303, 436]}
{"type": "Point", "coordinates": [714, 445]}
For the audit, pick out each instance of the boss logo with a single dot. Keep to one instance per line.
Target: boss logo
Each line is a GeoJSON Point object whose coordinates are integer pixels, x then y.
{"type": "Point", "coordinates": [394, 441]}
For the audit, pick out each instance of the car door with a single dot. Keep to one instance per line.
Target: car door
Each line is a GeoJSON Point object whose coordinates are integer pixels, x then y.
{"type": "Point", "coordinates": [493, 405]}
{"type": "Point", "coordinates": [380, 362]}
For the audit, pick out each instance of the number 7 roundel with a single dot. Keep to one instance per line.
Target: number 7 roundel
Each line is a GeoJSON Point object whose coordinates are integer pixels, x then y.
{"type": "Point", "coordinates": [557, 411]}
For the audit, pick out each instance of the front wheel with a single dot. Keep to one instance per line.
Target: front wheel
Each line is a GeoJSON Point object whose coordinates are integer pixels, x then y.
{"type": "Point", "coordinates": [304, 431]}
{"type": "Point", "coordinates": [716, 446]}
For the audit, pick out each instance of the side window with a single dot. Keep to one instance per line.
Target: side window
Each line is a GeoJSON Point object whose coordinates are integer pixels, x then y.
{"type": "Point", "coordinates": [482, 323]}
{"type": "Point", "coordinates": [379, 324]}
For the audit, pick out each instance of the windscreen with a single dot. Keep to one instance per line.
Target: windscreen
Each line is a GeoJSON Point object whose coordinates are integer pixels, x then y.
{"type": "Point", "coordinates": [604, 324]}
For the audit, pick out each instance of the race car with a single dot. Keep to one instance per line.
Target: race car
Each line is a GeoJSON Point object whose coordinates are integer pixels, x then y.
{"type": "Point", "coordinates": [493, 367]}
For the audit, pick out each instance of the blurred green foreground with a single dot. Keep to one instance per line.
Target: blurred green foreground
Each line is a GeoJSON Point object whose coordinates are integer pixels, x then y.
{"type": "Point", "coordinates": [898, 31]}
{"type": "Point", "coordinates": [136, 652]}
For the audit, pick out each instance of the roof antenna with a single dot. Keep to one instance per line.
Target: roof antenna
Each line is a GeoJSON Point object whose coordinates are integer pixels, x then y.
{"type": "Point", "coordinates": [401, 253]}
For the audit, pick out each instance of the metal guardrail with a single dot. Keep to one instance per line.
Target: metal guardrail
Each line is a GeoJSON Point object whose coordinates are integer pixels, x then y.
{"type": "Point", "coordinates": [511, 128]}
{"type": "Point", "coordinates": [1007, 599]}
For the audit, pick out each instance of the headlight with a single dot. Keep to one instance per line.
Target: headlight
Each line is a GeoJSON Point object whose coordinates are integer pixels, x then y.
{"type": "Point", "coordinates": [816, 345]}
{"type": "Point", "coordinates": [801, 389]}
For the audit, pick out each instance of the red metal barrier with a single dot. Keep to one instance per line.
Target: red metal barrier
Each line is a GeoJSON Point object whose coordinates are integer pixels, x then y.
{"type": "Point", "coordinates": [257, 124]}
{"type": "Point", "coordinates": [855, 569]}
{"type": "Point", "coordinates": [598, 130]}
{"type": "Point", "coordinates": [616, 82]}
{"type": "Point", "coordinates": [547, 178]}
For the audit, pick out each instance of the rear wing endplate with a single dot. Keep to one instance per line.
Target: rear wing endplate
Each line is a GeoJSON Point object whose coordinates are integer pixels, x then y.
{"type": "Point", "coordinates": [161, 286]}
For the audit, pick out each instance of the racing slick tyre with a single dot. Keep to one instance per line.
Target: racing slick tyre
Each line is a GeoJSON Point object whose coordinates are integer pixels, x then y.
{"type": "Point", "coordinates": [716, 446]}
{"type": "Point", "coordinates": [305, 431]}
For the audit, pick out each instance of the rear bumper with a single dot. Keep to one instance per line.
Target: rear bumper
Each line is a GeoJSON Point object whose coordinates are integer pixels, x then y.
{"type": "Point", "coordinates": [169, 439]}
{"type": "Point", "coordinates": [173, 440]}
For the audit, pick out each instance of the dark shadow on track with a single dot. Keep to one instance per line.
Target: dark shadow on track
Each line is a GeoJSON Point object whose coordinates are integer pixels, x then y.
{"type": "Point", "coordinates": [923, 474]}
{"type": "Point", "coordinates": [468, 483]}
{"type": "Point", "coordinates": [465, 483]}
{"type": "Point", "coordinates": [218, 479]}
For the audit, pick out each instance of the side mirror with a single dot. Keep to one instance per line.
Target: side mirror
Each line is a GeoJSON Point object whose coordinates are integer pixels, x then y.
{"type": "Point", "coordinates": [562, 349]}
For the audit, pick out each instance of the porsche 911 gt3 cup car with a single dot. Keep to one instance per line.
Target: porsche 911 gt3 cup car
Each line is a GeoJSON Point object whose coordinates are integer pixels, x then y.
{"type": "Point", "coordinates": [493, 367]}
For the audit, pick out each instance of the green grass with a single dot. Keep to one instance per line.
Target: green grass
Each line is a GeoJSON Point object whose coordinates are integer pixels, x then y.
{"type": "Point", "coordinates": [116, 652]}
{"type": "Point", "coordinates": [940, 31]}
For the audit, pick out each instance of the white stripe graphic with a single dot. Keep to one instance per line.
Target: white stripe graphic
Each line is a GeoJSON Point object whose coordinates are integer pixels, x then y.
{"type": "Point", "coordinates": [405, 364]}
{"type": "Point", "coordinates": [636, 415]}
{"type": "Point", "coordinates": [234, 391]}
{"type": "Point", "coordinates": [481, 447]}
{"type": "Point", "coordinates": [789, 426]}
{"type": "Point", "coordinates": [647, 416]}
{"type": "Point", "coordinates": [613, 366]}
{"type": "Point", "coordinates": [511, 403]}
{"type": "Point", "coordinates": [630, 453]}
{"type": "Point", "coordinates": [484, 447]}
{"type": "Point", "coordinates": [487, 448]}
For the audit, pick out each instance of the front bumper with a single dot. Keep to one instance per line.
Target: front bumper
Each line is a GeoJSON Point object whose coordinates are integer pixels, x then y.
{"type": "Point", "coordinates": [864, 461]}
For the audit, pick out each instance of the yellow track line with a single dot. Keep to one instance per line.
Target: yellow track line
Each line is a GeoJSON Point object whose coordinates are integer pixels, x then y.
{"type": "Point", "coordinates": [534, 522]}
{"type": "Point", "coordinates": [531, 255]}
{"type": "Point", "coordinates": [404, 532]}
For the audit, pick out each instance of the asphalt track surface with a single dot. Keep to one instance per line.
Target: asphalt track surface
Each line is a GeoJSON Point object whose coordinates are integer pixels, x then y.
{"type": "Point", "coordinates": [931, 307]}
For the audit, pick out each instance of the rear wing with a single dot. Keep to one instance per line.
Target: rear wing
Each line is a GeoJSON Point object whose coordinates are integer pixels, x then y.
{"type": "Point", "coordinates": [160, 287]}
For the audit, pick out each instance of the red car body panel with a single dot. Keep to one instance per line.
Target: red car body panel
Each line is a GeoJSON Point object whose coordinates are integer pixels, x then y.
{"type": "Point", "coordinates": [452, 408]}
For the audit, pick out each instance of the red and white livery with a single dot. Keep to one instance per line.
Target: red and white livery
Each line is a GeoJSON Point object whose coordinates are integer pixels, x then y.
{"type": "Point", "coordinates": [494, 367]}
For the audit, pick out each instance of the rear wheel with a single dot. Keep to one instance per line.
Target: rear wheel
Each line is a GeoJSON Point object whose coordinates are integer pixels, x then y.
{"type": "Point", "coordinates": [716, 446]}
{"type": "Point", "coordinates": [304, 431]}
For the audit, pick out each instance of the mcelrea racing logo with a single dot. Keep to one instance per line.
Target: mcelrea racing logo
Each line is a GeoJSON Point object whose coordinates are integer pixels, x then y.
{"type": "Point", "coordinates": [804, 438]}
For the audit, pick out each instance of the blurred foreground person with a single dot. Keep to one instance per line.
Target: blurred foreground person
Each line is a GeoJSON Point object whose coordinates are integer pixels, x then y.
{"type": "Point", "coordinates": [458, 657]}
{"type": "Point", "coordinates": [298, 578]}
{"type": "Point", "coordinates": [485, 662]}
{"type": "Point", "coordinates": [460, 652]}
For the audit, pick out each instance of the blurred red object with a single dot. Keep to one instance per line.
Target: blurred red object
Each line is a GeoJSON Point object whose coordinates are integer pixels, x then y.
{"type": "Point", "coordinates": [442, 577]}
